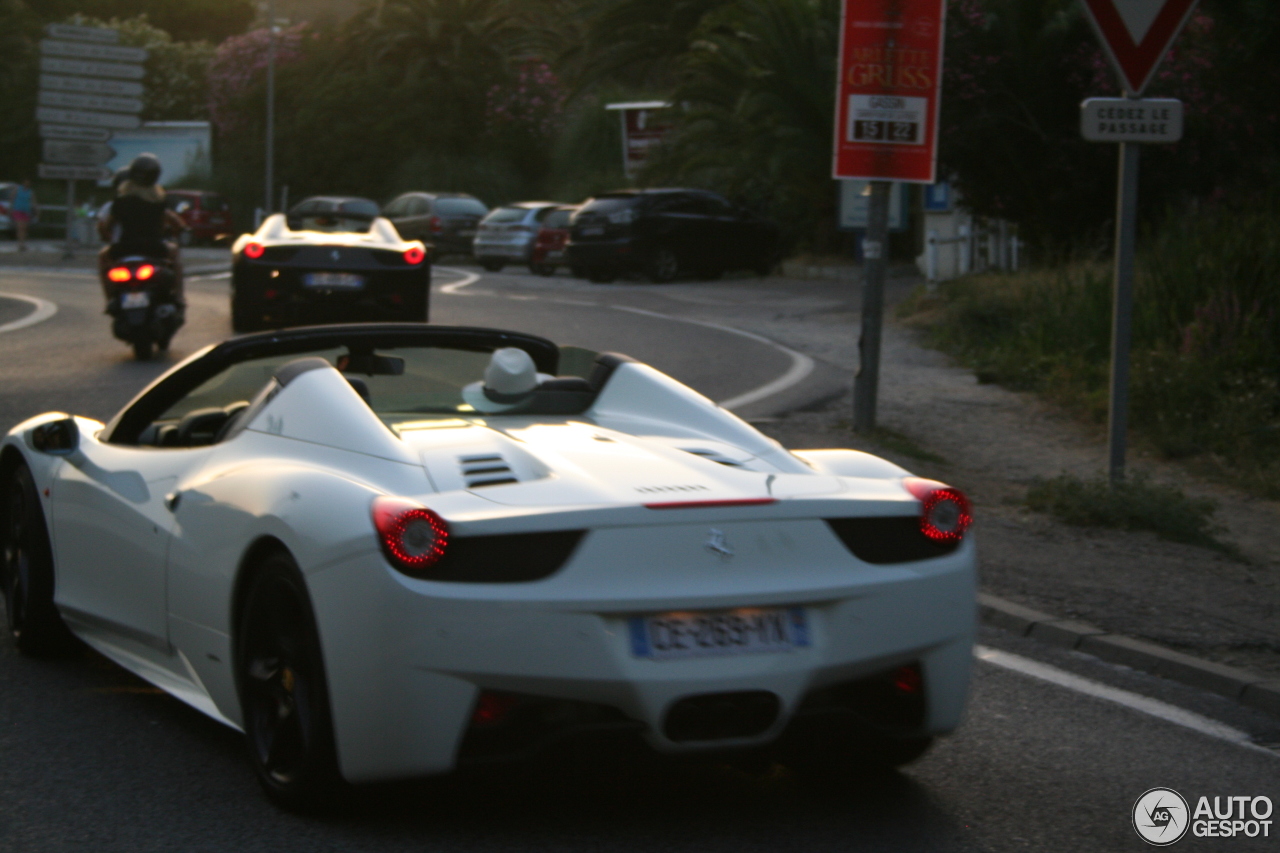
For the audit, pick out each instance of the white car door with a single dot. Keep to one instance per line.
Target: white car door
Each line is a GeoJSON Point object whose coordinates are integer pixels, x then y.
{"type": "Point", "coordinates": [112, 523]}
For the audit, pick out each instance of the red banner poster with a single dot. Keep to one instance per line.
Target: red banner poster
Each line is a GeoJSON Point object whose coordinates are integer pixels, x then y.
{"type": "Point", "coordinates": [889, 88]}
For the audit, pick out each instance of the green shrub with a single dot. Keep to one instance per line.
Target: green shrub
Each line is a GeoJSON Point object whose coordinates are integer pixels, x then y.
{"type": "Point", "coordinates": [1134, 504]}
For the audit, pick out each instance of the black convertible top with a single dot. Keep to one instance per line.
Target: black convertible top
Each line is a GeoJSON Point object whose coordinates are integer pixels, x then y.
{"type": "Point", "coordinates": [171, 387]}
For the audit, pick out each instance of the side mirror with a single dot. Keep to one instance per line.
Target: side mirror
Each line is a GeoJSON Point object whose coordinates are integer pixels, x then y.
{"type": "Point", "coordinates": [57, 438]}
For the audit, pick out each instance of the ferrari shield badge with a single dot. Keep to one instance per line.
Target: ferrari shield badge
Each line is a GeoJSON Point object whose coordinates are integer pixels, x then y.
{"type": "Point", "coordinates": [716, 544]}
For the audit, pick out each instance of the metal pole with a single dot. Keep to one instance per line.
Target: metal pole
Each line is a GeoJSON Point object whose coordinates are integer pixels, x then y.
{"type": "Point", "coordinates": [1122, 309]}
{"type": "Point", "coordinates": [875, 249]}
{"type": "Point", "coordinates": [71, 217]}
{"type": "Point", "coordinates": [271, 105]}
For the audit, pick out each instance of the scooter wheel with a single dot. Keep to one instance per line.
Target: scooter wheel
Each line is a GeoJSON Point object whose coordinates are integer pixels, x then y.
{"type": "Point", "coordinates": [142, 350]}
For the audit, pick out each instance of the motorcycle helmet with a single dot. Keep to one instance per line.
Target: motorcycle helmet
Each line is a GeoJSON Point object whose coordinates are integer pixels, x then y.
{"type": "Point", "coordinates": [121, 175]}
{"type": "Point", "coordinates": [144, 170]}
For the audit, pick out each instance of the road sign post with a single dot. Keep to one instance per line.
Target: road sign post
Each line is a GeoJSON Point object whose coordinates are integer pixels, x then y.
{"type": "Point", "coordinates": [88, 87]}
{"type": "Point", "coordinates": [886, 130]}
{"type": "Point", "coordinates": [1136, 35]}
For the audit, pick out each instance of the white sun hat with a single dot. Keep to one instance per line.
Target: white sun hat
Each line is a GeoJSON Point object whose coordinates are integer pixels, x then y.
{"type": "Point", "coordinates": [509, 380]}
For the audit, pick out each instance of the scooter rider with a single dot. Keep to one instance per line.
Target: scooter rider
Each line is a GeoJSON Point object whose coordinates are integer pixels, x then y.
{"type": "Point", "coordinates": [143, 220]}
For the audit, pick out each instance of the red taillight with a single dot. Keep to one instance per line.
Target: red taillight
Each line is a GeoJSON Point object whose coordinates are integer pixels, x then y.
{"type": "Point", "coordinates": [413, 537]}
{"type": "Point", "coordinates": [254, 250]}
{"type": "Point", "coordinates": [119, 274]}
{"type": "Point", "coordinates": [907, 679]}
{"type": "Point", "coordinates": [493, 708]}
{"type": "Point", "coordinates": [145, 272]}
{"type": "Point", "coordinates": [435, 225]}
{"type": "Point", "coordinates": [414, 255]}
{"type": "Point", "coordinates": [945, 514]}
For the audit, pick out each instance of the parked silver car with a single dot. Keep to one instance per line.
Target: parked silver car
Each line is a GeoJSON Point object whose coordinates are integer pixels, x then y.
{"type": "Point", "coordinates": [506, 235]}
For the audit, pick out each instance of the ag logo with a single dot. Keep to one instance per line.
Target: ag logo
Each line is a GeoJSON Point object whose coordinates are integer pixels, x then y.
{"type": "Point", "coordinates": [1160, 816]}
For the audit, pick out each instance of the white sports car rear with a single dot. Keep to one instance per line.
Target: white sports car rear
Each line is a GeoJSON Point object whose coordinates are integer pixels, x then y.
{"type": "Point", "coordinates": [362, 548]}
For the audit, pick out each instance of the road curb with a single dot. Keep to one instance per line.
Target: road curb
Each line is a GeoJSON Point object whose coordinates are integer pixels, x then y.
{"type": "Point", "coordinates": [1248, 688]}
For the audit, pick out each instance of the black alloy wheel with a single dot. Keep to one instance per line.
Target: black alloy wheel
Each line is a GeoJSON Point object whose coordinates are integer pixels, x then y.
{"type": "Point", "coordinates": [663, 266]}
{"type": "Point", "coordinates": [26, 574]}
{"type": "Point", "coordinates": [283, 695]}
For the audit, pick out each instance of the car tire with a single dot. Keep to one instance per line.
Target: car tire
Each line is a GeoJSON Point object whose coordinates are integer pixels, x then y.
{"type": "Point", "coordinates": [663, 265]}
{"type": "Point", "coordinates": [711, 273]}
{"type": "Point", "coordinates": [602, 275]}
{"type": "Point", "coordinates": [578, 272]}
{"type": "Point", "coordinates": [492, 265]}
{"type": "Point", "coordinates": [26, 573]}
{"type": "Point", "coordinates": [284, 699]}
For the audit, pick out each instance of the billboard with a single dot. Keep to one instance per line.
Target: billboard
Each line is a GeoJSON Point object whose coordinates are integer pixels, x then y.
{"type": "Point", "coordinates": [182, 146]}
{"type": "Point", "coordinates": [888, 90]}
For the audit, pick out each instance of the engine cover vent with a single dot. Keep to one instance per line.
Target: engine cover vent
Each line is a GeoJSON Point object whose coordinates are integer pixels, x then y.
{"type": "Point", "coordinates": [488, 469]}
{"type": "Point", "coordinates": [713, 455]}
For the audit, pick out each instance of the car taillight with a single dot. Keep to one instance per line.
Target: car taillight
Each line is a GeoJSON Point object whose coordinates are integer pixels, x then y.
{"type": "Point", "coordinates": [413, 537]}
{"type": "Point", "coordinates": [145, 272]}
{"type": "Point", "coordinates": [414, 255]}
{"type": "Point", "coordinates": [254, 250]}
{"type": "Point", "coordinates": [945, 513]}
{"type": "Point", "coordinates": [435, 225]}
{"type": "Point", "coordinates": [119, 274]}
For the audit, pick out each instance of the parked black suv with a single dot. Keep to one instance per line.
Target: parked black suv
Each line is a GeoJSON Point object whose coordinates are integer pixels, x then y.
{"type": "Point", "coordinates": [445, 220]}
{"type": "Point", "coordinates": [665, 233]}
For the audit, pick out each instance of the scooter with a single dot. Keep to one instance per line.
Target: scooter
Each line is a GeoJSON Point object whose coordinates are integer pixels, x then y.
{"type": "Point", "coordinates": [141, 303]}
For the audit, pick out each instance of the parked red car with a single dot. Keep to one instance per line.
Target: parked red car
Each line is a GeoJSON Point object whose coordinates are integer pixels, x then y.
{"type": "Point", "coordinates": [548, 246]}
{"type": "Point", "coordinates": [207, 214]}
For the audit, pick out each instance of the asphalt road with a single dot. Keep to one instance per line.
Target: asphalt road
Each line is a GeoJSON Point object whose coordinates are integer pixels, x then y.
{"type": "Point", "coordinates": [1053, 754]}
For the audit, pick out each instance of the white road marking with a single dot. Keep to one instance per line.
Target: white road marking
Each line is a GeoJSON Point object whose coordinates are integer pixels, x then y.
{"type": "Point", "coordinates": [1134, 701]}
{"type": "Point", "coordinates": [468, 278]}
{"type": "Point", "coordinates": [801, 364]}
{"type": "Point", "coordinates": [44, 310]}
{"type": "Point", "coordinates": [212, 276]}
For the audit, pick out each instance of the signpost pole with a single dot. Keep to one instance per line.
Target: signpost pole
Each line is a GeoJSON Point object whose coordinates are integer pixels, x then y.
{"type": "Point", "coordinates": [1122, 308]}
{"type": "Point", "coordinates": [271, 107]}
{"type": "Point", "coordinates": [71, 217]}
{"type": "Point", "coordinates": [874, 253]}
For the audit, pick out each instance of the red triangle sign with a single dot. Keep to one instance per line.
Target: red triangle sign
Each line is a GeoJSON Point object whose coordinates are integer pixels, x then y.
{"type": "Point", "coordinates": [1137, 34]}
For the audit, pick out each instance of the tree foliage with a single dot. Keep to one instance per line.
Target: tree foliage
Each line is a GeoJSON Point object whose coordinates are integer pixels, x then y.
{"type": "Point", "coordinates": [183, 20]}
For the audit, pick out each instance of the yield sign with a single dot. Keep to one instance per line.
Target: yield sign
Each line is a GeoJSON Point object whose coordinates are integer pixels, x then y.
{"type": "Point", "coordinates": [1137, 33]}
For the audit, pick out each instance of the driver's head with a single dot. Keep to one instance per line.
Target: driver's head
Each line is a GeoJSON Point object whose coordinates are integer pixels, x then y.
{"type": "Point", "coordinates": [144, 171]}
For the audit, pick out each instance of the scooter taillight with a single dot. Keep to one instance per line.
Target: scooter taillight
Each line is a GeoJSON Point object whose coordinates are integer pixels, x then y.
{"type": "Point", "coordinates": [121, 274]}
{"type": "Point", "coordinates": [145, 272]}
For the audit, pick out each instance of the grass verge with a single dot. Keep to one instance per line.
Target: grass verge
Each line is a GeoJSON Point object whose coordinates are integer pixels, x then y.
{"type": "Point", "coordinates": [1135, 504]}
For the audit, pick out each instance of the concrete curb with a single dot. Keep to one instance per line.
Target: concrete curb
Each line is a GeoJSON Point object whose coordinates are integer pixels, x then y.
{"type": "Point", "coordinates": [1248, 688]}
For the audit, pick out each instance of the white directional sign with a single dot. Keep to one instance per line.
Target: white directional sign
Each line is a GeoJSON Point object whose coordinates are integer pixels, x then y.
{"type": "Point", "coordinates": [89, 85]}
{"type": "Point", "coordinates": [74, 134]}
{"type": "Point", "coordinates": [53, 115]}
{"type": "Point", "coordinates": [73, 101]}
{"type": "Point", "coordinates": [77, 153]}
{"type": "Point", "coordinates": [77, 50]}
{"type": "Point", "coordinates": [86, 68]}
{"type": "Point", "coordinates": [1131, 119]}
{"type": "Point", "coordinates": [74, 173]}
{"type": "Point", "coordinates": [70, 31]}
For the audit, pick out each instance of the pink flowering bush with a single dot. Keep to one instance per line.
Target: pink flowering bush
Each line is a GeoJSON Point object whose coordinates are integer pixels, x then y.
{"type": "Point", "coordinates": [532, 101]}
{"type": "Point", "coordinates": [239, 64]}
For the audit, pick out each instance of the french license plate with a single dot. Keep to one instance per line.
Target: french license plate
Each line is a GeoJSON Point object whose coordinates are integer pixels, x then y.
{"type": "Point", "coordinates": [668, 636]}
{"type": "Point", "coordinates": [593, 232]}
{"type": "Point", "coordinates": [136, 299]}
{"type": "Point", "coordinates": [333, 279]}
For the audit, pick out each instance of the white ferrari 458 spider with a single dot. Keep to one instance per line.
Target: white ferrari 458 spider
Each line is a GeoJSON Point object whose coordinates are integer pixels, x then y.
{"type": "Point", "coordinates": [386, 551]}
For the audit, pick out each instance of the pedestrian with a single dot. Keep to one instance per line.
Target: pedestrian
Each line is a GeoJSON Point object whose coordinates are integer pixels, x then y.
{"type": "Point", "coordinates": [24, 208]}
